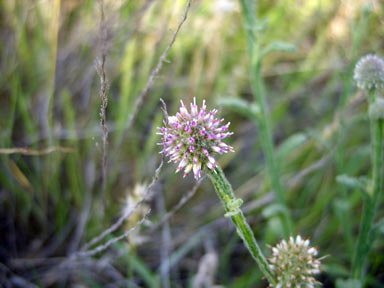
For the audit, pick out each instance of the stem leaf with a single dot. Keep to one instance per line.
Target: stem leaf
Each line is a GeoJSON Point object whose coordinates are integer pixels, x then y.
{"type": "Point", "coordinates": [348, 283]}
{"type": "Point", "coordinates": [361, 183]}
{"type": "Point", "coordinates": [290, 144]}
{"type": "Point", "coordinates": [277, 46]}
{"type": "Point", "coordinates": [273, 210]}
{"type": "Point", "coordinates": [244, 108]}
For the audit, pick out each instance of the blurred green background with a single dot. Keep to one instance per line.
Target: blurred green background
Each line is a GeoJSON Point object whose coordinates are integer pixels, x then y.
{"type": "Point", "coordinates": [52, 204]}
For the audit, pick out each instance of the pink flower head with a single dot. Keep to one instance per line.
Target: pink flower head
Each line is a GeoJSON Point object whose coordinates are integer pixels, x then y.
{"type": "Point", "coordinates": [192, 136]}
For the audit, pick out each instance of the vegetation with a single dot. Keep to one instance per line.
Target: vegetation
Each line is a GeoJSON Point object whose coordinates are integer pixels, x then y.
{"type": "Point", "coordinates": [86, 199]}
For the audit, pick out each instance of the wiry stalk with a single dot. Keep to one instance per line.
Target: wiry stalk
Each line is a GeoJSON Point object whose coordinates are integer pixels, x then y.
{"type": "Point", "coordinates": [232, 207]}
{"type": "Point", "coordinates": [100, 67]}
{"type": "Point", "coordinates": [155, 72]}
{"type": "Point", "coordinates": [372, 200]}
{"type": "Point", "coordinates": [340, 157]}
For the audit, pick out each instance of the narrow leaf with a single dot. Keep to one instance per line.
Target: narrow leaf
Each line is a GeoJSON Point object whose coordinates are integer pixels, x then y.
{"type": "Point", "coordinates": [290, 144]}
{"type": "Point", "coordinates": [250, 110]}
{"type": "Point", "coordinates": [360, 183]}
{"type": "Point", "coordinates": [277, 46]}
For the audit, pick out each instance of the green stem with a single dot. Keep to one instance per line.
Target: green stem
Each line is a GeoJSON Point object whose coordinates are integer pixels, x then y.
{"type": "Point", "coordinates": [357, 36]}
{"type": "Point", "coordinates": [263, 119]}
{"type": "Point", "coordinates": [345, 214]}
{"type": "Point", "coordinates": [372, 201]}
{"type": "Point", "coordinates": [232, 207]}
{"type": "Point", "coordinates": [268, 147]}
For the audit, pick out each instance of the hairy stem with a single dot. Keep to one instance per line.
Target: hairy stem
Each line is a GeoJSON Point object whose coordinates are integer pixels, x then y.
{"type": "Point", "coordinates": [345, 216]}
{"type": "Point", "coordinates": [263, 119]}
{"type": "Point", "coordinates": [267, 143]}
{"type": "Point", "coordinates": [372, 201]}
{"type": "Point", "coordinates": [232, 207]}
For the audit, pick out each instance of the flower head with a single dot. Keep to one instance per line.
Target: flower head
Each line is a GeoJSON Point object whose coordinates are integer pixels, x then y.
{"type": "Point", "coordinates": [294, 263]}
{"type": "Point", "coordinates": [369, 72]}
{"type": "Point", "coordinates": [191, 137]}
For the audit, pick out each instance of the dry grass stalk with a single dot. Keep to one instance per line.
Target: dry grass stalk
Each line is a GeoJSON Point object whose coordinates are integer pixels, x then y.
{"type": "Point", "coordinates": [147, 196]}
{"type": "Point", "coordinates": [155, 72]}
{"type": "Point", "coordinates": [34, 152]}
{"type": "Point", "coordinates": [180, 204]}
{"type": "Point", "coordinates": [101, 248]}
{"type": "Point", "coordinates": [100, 67]}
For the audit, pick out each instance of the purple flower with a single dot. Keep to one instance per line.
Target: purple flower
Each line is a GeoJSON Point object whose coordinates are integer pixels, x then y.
{"type": "Point", "coordinates": [192, 136]}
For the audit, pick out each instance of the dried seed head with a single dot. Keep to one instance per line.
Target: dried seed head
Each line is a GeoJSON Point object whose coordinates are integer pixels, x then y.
{"type": "Point", "coordinates": [133, 196]}
{"type": "Point", "coordinates": [191, 137]}
{"type": "Point", "coordinates": [369, 72]}
{"type": "Point", "coordinates": [294, 263]}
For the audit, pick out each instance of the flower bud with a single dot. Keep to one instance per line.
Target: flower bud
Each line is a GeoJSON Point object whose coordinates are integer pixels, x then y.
{"type": "Point", "coordinates": [294, 263]}
{"type": "Point", "coordinates": [369, 72]}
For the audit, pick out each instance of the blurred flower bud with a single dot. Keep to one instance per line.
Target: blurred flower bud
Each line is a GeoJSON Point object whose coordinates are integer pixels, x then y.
{"type": "Point", "coordinates": [369, 72]}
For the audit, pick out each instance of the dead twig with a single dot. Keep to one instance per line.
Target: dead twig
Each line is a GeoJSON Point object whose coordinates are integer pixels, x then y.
{"type": "Point", "coordinates": [147, 196]}
{"type": "Point", "coordinates": [180, 204]}
{"type": "Point", "coordinates": [103, 247]}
